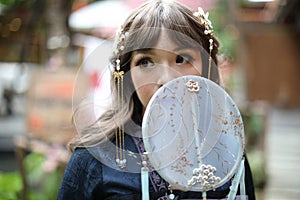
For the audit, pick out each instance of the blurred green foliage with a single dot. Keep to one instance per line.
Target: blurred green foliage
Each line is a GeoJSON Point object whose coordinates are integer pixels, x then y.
{"type": "Point", "coordinates": [224, 29]}
{"type": "Point", "coordinates": [11, 3]}
{"type": "Point", "coordinates": [10, 186]}
{"type": "Point", "coordinates": [41, 184]}
{"type": "Point", "coordinates": [257, 162]}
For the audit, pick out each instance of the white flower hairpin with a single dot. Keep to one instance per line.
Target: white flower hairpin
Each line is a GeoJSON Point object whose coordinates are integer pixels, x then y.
{"type": "Point", "coordinates": [203, 17]}
{"type": "Point", "coordinates": [204, 21]}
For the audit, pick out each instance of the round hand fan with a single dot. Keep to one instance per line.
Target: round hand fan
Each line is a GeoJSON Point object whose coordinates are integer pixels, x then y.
{"type": "Point", "coordinates": [193, 133]}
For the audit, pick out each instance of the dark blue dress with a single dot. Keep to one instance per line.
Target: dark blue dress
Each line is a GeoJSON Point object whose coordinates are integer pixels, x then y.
{"type": "Point", "coordinates": [92, 174]}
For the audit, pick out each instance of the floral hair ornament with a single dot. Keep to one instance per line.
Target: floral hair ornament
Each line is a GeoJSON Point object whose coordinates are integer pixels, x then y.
{"type": "Point", "coordinates": [203, 17]}
{"type": "Point", "coordinates": [204, 21]}
{"type": "Point", "coordinates": [118, 84]}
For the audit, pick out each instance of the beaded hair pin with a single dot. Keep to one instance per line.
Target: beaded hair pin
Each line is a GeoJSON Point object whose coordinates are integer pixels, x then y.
{"type": "Point", "coordinates": [204, 21]}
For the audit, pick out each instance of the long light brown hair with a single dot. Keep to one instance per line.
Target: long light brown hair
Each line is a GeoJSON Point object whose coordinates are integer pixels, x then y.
{"type": "Point", "coordinates": [148, 19]}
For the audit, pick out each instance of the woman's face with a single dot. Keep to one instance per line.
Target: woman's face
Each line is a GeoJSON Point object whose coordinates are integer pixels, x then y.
{"type": "Point", "coordinates": [152, 68]}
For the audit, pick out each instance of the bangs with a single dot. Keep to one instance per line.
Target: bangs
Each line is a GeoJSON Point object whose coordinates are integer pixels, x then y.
{"type": "Point", "coordinates": [145, 26]}
{"type": "Point", "coordinates": [143, 38]}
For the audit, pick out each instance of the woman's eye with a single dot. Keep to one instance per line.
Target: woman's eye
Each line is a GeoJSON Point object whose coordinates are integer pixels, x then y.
{"type": "Point", "coordinates": [183, 59]}
{"type": "Point", "coordinates": [145, 62]}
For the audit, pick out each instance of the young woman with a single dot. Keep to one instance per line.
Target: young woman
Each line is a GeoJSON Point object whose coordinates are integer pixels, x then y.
{"type": "Point", "coordinates": [160, 41]}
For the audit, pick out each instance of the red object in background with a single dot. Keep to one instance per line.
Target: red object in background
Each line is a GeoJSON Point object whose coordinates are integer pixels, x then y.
{"type": "Point", "coordinates": [95, 80]}
{"type": "Point", "coordinates": [59, 89]}
{"type": "Point", "coordinates": [35, 122]}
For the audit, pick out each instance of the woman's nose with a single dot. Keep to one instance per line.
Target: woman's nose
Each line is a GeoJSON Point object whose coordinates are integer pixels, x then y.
{"type": "Point", "coordinates": [165, 74]}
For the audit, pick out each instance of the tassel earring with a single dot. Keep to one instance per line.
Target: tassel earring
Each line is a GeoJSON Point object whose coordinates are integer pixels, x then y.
{"type": "Point", "coordinates": [118, 76]}
{"type": "Point", "coordinates": [119, 132]}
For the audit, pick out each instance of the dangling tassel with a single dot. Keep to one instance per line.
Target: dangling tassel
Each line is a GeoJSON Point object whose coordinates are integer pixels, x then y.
{"type": "Point", "coordinates": [119, 132]}
{"type": "Point", "coordinates": [204, 195]}
{"type": "Point", "coordinates": [242, 185]}
{"type": "Point", "coordinates": [236, 180]}
{"type": "Point", "coordinates": [145, 178]}
{"type": "Point", "coordinates": [171, 195]}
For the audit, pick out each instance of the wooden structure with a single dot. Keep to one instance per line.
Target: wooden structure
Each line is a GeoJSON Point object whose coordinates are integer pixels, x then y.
{"type": "Point", "coordinates": [268, 52]}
